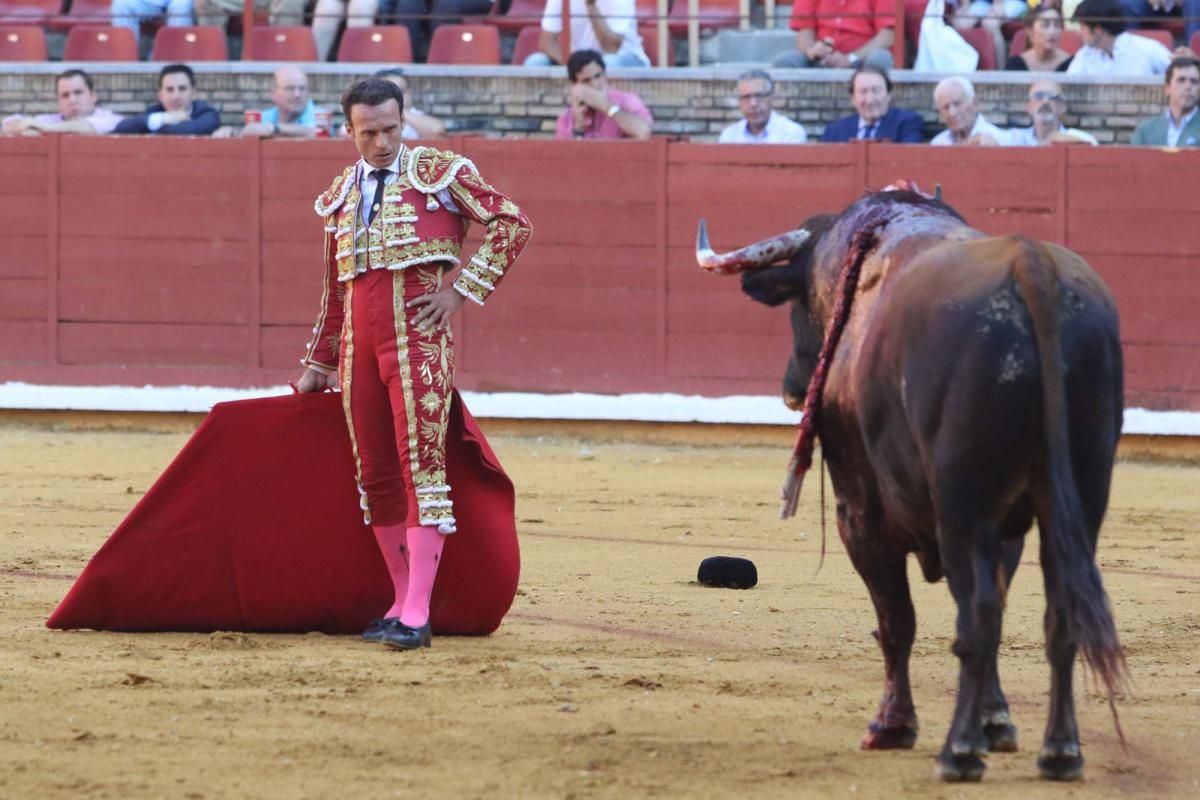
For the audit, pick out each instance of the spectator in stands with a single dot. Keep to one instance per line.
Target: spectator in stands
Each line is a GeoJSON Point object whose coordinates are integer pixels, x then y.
{"type": "Point", "coordinates": [1153, 11]}
{"type": "Point", "coordinates": [1045, 107]}
{"type": "Point", "coordinates": [77, 111]}
{"type": "Point", "coordinates": [328, 16]}
{"type": "Point", "coordinates": [281, 12]}
{"type": "Point", "coordinates": [608, 27]}
{"type": "Point", "coordinates": [130, 13]}
{"type": "Point", "coordinates": [595, 111]}
{"type": "Point", "coordinates": [989, 15]}
{"type": "Point", "coordinates": [293, 114]}
{"type": "Point", "coordinates": [177, 111]}
{"type": "Point", "coordinates": [1180, 125]}
{"type": "Point", "coordinates": [761, 125]}
{"type": "Point", "coordinates": [417, 124]}
{"type": "Point", "coordinates": [959, 110]}
{"type": "Point", "coordinates": [422, 17]}
{"type": "Point", "coordinates": [1108, 50]}
{"type": "Point", "coordinates": [871, 95]}
{"type": "Point", "coordinates": [841, 34]}
{"type": "Point", "coordinates": [1043, 30]}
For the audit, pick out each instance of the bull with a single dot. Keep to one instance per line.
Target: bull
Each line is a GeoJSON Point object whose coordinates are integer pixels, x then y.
{"type": "Point", "coordinates": [961, 386]}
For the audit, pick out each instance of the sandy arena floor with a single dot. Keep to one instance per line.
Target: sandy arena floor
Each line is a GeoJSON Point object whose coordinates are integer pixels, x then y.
{"type": "Point", "coordinates": [615, 675]}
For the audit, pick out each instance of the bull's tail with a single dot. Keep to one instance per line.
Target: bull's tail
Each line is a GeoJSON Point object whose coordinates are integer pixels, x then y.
{"type": "Point", "coordinates": [1067, 542]}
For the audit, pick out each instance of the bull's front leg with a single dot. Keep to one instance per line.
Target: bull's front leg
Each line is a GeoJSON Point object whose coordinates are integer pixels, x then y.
{"type": "Point", "coordinates": [883, 571]}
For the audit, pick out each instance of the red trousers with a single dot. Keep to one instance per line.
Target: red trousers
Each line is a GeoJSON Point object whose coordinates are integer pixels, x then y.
{"type": "Point", "coordinates": [396, 392]}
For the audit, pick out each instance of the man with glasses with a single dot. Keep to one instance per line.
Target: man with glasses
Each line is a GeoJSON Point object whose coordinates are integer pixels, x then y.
{"type": "Point", "coordinates": [760, 123]}
{"type": "Point", "coordinates": [1045, 107]}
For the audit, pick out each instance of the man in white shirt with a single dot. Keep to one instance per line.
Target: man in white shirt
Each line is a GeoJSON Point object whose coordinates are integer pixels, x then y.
{"type": "Point", "coordinates": [1045, 107]}
{"type": "Point", "coordinates": [761, 125]}
{"type": "Point", "coordinates": [959, 111]}
{"type": "Point", "coordinates": [77, 111]}
{"type": "Point", "coordinates": [606, 26]}
{"type": "Point", "coordinates": [1108, 50]}
{"type": "Point", "coordinates": [1180, 125]}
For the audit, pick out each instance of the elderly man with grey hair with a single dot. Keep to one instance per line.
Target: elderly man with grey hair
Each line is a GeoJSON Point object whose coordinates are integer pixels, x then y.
{"type": "Point", "coordinates": [760, 123]}
{"type": "Point", "coordinates": [955, 100]}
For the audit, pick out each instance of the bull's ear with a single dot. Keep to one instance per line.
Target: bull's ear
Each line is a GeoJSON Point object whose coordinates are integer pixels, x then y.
{"type": "Point", "coordinates": [775, 285]}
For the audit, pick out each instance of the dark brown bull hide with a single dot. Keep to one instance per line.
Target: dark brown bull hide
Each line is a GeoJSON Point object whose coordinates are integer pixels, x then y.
{"type": "Point", "coordinates": [977, 386]}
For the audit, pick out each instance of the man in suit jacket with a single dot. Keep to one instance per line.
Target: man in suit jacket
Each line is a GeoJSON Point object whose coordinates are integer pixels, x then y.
{"type": "Point", "coordinates": [1180, 125]}
{"type": "Point", "coordinates": [177, 111]}
{"type": "Point", "coordinates": [871, 94]}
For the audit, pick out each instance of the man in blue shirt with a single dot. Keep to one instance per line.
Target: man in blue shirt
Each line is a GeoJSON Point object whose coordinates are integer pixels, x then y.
{"type": "Point", "coordinates": [294, 114]}
{"type": "Point", "coordinates": [871, 94]}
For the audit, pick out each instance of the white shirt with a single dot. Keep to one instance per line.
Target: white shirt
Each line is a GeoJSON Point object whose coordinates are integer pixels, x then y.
{"type": "Point", "coordinates": [619, 15]}
{"type": "Point", "coordinates": [778, 130]}
{"type": "Point", "coordinates": [981, 126]}
{"type": "Point", "coordinates": [1132, 55]}
{"type": "Point", "coordinates": [1025, 137]}
{"type": "Point", "coordinates": [367, 182]}
{"type": "Point", "coordinates": [1174, 131]}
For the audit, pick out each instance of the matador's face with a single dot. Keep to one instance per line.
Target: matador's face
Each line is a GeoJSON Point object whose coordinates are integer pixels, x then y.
{"type": "Point", "coordinates": [376, 131]}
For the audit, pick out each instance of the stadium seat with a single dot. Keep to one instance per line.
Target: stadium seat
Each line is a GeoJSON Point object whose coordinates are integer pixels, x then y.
{"type": "Point", "coordinates": [22, 44]}
{"type": "Point", "coordinates": [83, 12]}
{"type": "Point", "coordinates": [283, 43]}
{"type": "Point", "coordinates": [28, 12]}
{"type": "Point", "coordinates": [1165, 38]}
{"type": "Point", "coordinates": [527, 43]}
{"type": "Point", "coordinates": [180, 43]}
{"type": "Point", "coordinates": [1069, 42]}
{"type": "Point", "coordinates": [100, 43]}
{"type": "Point", "coordinates": [649, 33]}
{"type": "Point", "coordinates": [982, 41]}
{"type": "Point", "coordinates": [521, 14]}
{"type": "Point", "coordinates": [1194, 44]}
{"type": "Point", "coordinates": [647, 10]}
{"type": "Point", "coordinates": [464, 44]}
{"type": "Point", "coordinates": [714, 14]}
{"type": "Point", "coordinates": [376, 45]}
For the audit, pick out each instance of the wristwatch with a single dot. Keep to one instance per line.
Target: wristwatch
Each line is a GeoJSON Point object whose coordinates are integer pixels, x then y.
{"type": "Point", "coordinates": [853, 58]}
{"type": "Point", "coordinates": [613, 109]}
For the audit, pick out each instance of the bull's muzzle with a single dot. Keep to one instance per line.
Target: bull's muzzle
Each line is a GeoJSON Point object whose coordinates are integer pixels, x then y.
{"type": "Point", "coordinates": [759, 254]}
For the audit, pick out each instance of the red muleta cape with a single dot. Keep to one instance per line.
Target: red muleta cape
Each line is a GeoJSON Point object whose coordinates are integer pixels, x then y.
{"type": "Point", "coordinates": [255, 526]}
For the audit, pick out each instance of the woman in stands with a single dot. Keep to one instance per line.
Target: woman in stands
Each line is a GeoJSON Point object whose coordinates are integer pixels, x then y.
{"type": "Point", "coordinates": [1043, 30]}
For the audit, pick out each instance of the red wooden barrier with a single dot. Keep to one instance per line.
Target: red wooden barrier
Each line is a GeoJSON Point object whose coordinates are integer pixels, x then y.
{"type": "Point", "coordinates": [197, 262]}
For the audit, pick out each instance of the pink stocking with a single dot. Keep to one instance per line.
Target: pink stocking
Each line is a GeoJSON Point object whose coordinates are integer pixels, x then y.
{"type": "Point", "coordinates": [425, 547]}
{"type": "Point", "coordinates": [392, 541]}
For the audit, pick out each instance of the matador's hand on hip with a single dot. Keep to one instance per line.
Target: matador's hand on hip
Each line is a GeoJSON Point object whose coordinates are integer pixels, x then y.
{"type": "Point", "coordinates": [435, 309]}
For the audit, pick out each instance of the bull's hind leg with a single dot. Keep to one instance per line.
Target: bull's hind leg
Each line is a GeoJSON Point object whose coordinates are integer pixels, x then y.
{"type": "Point", "coordinates": [895, 725]}
{"type": "Point", "coordinates": [971, 556]}
{"type": "Point", "coordinates": [997, 724]}
{"type": "Point", "coordinates": [1061, 758]}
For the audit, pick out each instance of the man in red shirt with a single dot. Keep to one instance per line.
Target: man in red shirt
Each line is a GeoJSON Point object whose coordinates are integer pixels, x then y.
{"type": "Point", "coordinates": [841, 34]}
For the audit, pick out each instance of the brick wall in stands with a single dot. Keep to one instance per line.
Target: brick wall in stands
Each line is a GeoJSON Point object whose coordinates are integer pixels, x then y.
{"type": "Point", "coordinates": [525, 102]}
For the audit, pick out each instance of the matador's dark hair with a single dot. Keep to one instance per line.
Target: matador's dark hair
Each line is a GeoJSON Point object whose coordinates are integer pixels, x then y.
{"type": "Point", "coordinates": [371, 92]}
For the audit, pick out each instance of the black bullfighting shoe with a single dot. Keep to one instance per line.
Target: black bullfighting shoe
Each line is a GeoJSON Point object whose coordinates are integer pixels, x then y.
{"type": "Point", "coordinates": [374, 631]}
{"type": "Point", "coordinates": [399, 636]}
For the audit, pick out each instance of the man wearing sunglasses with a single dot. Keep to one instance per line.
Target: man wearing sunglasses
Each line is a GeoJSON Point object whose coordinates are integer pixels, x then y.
{"type": "Point", "coordinates": [1045, 107]}
{"type": "Point", "coordinates": [760, 124]}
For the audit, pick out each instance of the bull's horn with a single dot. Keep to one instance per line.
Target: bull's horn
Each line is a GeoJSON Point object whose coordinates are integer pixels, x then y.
{"type": "Point", "coordinates": [759, 254]}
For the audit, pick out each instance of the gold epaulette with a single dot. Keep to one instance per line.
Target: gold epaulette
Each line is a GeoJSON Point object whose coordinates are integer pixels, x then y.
{"type": "Point", "coordinates": [431, 170]}
{"type": "Point", "coordinates": [332, 199]}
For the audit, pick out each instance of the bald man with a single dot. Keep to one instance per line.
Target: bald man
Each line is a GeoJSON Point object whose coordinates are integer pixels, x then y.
{"type": "Point", "coordinates": [294, 115]}
{"type": "Point", "coordinates": [1045, 107]}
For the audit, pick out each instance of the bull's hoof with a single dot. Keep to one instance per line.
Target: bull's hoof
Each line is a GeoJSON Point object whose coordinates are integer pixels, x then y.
{"type": "Point", "coordinates": [880, 737]}
{"type": "Point", "coordinates": [1060, 761]}
{"type": "Point", "coordinates": [959, 768]}
{"type": "Point", "coordinates": [1000, 732]}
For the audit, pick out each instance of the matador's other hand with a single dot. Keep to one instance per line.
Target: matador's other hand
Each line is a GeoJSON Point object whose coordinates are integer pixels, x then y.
{"type": "Point", "coordinates": [436, 309]}
{"type": "Point", "coordinates": [313, 381]}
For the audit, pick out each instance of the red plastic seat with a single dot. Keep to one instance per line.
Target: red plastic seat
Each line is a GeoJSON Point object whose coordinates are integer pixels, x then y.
{"type": "Point", "coordinates": [1194, 43]}
{"type": "Point", "coordinates": [28, 12]}
{"type": "Point", "coordinates": [22, 44]}
{"type": "Point", "coordinates": [184, 43]}
{"type": "Point", "coordinates": [464, 44]}
{"type": "Point", "coordinates": [983, 43]}
{"type": "Point", "coordinates": [649, 33]}
{"type": "Point", "coordinates": [521, 14]}
{"type": "Point", "coordinates": [376, 45]}
{"type": "Point", "coordinates": [1157, 34]}
{"type": "Point", "coordinates": [1070, 41]}
{"type": "Point", "coordinates": [100, 43]}
{"type": "Point", "coordinates": [282, 43]}
{"type": "Point", "coordinates": [526, 44]}
{"type": "Point", "coordinates": [83, 12]}
{"type": "Point", "coordinates": [714, 14]}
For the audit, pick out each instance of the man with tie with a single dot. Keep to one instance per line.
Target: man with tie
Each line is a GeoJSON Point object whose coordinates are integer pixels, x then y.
{"type": "Point", "coordinates": [394, 224]}
{"type": "Point", "coordinates": [871, 95]}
